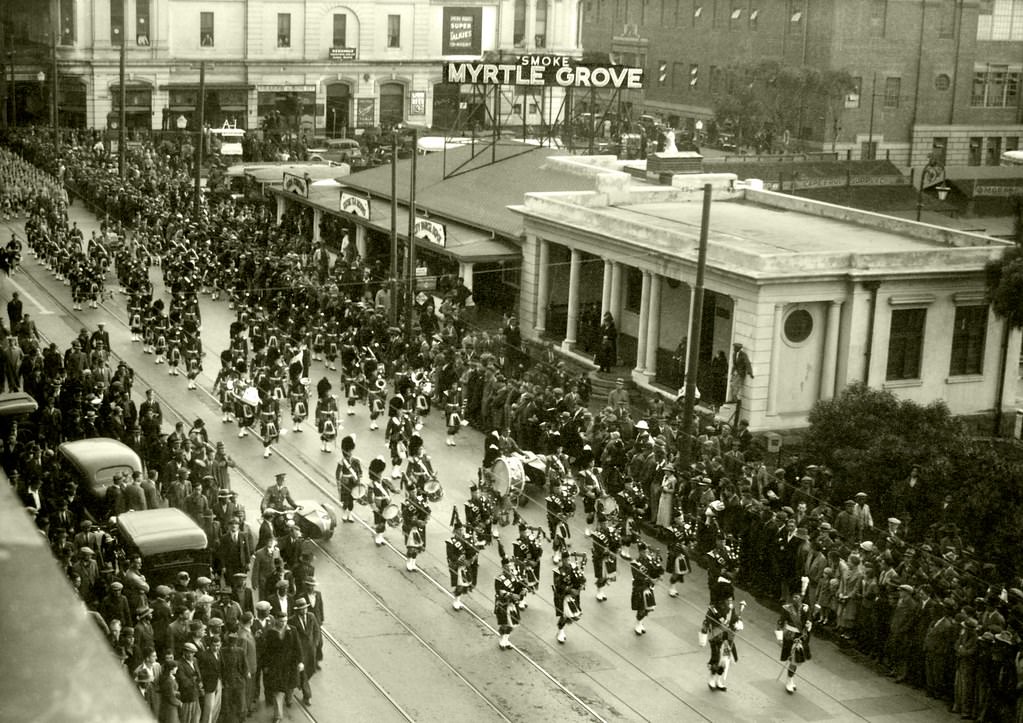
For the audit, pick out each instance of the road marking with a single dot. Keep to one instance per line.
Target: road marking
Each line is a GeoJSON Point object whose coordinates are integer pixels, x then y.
{"type": "Point", "coordinates": [43, 311]}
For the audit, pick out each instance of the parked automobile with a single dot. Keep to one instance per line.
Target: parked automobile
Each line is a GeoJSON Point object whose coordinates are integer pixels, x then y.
{"type": "Point", "coordinates": [92, 464]}
{"type": "Point", "coordinates": [168, 541]}
{"type": "Point", "coordinates": [338, 150]}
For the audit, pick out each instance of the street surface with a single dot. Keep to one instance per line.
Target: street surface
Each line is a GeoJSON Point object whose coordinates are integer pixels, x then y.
{"type": "Point", "coordinates": [395, 648]}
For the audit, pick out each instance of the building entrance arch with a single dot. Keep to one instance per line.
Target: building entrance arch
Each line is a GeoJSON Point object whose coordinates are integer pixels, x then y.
{"type": "Point", "coordinates": [339, 109]}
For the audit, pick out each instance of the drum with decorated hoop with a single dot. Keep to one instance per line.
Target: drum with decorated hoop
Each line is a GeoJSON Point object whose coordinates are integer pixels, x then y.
{"type": "Point", "coordinates": [509, 475]}
{"type": "Point", "coordinates": [434, 491]}
{"type": "Point", "coordinates": [391, 516]}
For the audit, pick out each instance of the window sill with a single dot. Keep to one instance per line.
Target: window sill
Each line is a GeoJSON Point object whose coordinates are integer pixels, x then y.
{"type": "Point", "coordinates": [902, 383]}
{"type": "Point", "coordinates": [964, 379]}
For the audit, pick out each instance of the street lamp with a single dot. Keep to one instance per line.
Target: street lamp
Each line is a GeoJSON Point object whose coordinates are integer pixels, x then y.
{"type": "Point", "coordinates": [943, 190]}
{"type": "Point", "coordinates": [41, 78]}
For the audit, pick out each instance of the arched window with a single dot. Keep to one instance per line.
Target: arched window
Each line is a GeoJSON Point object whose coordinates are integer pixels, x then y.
{"type": "Point", "coordinates": [540, 34]}
{"type": "Point", "coordinates": [519, 24]}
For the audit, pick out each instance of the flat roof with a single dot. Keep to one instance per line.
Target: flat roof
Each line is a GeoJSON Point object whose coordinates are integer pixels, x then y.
{"type": "Point", "coordinates": [165, 530]}
{"type": "Point", "coordinates": [100, 453]}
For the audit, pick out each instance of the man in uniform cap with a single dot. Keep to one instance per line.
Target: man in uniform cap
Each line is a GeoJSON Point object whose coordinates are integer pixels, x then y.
{"type": "Point", "coordinates": [277, 496]}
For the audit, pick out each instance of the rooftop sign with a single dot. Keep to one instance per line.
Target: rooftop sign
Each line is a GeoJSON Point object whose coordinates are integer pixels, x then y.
{"type": "Point", "coordinates": [545, 70]}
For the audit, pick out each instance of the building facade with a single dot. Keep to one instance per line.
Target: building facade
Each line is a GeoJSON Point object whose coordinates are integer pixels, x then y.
{"type": "Point", "coordinates": [325, 67]}
{"type": "Point", "coordinates": [932, 77]}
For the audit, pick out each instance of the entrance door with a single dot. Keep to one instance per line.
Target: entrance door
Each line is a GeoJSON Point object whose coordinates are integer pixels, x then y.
{"type": "Point", "coordinates": [392, 104]}
{"type": "Point", "coordinates": [445, 105]}
{"type": "Point", "coordinates": [339, 103]}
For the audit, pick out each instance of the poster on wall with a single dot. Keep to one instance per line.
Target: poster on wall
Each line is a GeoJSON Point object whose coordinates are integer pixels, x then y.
{"type": "Point", "coordinates": [417, 102]}
{"type": "Point", "coordinates": [462, 31]}
{"type": "Point", "coordinates": [364, 108]}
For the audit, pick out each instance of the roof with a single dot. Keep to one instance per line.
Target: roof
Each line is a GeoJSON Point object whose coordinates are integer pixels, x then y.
{"type": "Point", "coordinates": [482, 191]}
{"type": "Point", "coordinates": [100, 454]}
{"type": "Point", "coordinates": [165, 530]}
{"type": "Point", "coordinates": [15, 403]}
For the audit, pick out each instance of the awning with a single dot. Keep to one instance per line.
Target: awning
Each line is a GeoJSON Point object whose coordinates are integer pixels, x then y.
{"type": "Point", "coordinates": [209, 86]}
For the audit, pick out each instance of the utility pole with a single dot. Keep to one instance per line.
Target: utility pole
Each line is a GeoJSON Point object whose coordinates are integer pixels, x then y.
{"type": "Point", "coordinates": [411, 307]}
{"type": "Point", "coordinates": [54, 115]}
{"type": "Point", "coordinates": [870, 129]}
{"type": "Point", "coordinates": [122, 117]}
{"type": "Point", "coordinates": [201, 139]}
{"type": "Point", "coordinates": [695, 330]}
{"type": "Point", "coordinates": [392, 312]}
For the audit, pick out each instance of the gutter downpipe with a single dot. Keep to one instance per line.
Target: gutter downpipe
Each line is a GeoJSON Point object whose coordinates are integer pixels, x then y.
{"type": "Point", "coordinates": [873, 287]}
{"type": "Point", "coordinates": [1003, 365]}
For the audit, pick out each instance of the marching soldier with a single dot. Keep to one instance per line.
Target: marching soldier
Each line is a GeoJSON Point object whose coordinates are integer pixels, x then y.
{"type": "Point", "coordinates": [245, 407]}
{"type": "Point", "coordinates": [590, 482]}
{"type": "Point", "coordinates": [419, 469]}
{"type": "Point", "coordinates": [298, 397]}
{"type": "Point", "coordinates": [326, 415]}
{"type": "Point", "coordinates": [605, 564]}
{"type": "Point", "coordinates": [793, 634]}
{"type": "Point", "coordinates": [380, 490]}
{"type": "Point", "coordinates": [399, 436]}
{"type": "Point", "coordinates": [560, 508]}
{"type": "Point", "coordinates": [646, 568]}
{"type": "Point", "coordinates": [269, 424]}
{"type": "Point", "coordinates": [683, 534]}
{"type": "Point", "coordinates": [528, 553]}
{"type": "Point", "coordinates": [479, 513]}
{"type": "Point", "coordinates": [508, 593]}
{"type": "Point", "coordinates": [463, 562]}
{"type": "Point", "coordinates": [347, 474]}
{"type": "Point", "coordinates": [377, 390]}
{"type": "Point", "coordinates": [632, 505]}
{"type": "Point", "coordinates": [569, 581]}
{"type": "Point", "coordinates": [414, 513]}
{"type": "Point", "coordinates": [720, 624]}
{"type": "Point", "coordinates": [452, 417]}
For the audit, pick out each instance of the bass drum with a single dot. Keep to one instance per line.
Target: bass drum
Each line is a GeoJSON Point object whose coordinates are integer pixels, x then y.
{"type": "Point", "coordinates": [391, 516]}
{"type": "Point", "coordinates": [509, 476]}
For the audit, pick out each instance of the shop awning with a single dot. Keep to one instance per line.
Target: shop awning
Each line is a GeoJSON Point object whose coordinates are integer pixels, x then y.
{"type": "Point", "coordinates": [209, 86]}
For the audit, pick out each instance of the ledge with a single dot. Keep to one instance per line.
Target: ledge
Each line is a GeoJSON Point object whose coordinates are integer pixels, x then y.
{"type": "Point", "coordinates": [964, 379]}
{"type": "Point", "coordinates": [902, 383]}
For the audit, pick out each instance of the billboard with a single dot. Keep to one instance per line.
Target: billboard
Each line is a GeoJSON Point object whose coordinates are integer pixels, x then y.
{"type": "Point", "coordinates": [545, 70]}
{"type": "Point", "coordinates": [462, 31]}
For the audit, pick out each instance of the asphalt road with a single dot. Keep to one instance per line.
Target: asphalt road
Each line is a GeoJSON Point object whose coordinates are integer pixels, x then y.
{"type": "Point", "coordinates": [396, 649]}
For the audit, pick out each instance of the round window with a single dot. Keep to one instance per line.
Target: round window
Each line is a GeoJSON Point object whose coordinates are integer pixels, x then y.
{"type": "Point", "coordinates": [942, 81]}
{"type": "Point", "coordinates": [798, 326]}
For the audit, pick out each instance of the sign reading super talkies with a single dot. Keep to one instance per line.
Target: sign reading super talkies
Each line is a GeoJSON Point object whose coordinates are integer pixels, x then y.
{"type": "Point", "coordinates": [543, 70]}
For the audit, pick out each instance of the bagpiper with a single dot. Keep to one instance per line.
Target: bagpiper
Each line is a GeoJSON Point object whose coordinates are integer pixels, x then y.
{"type": "Point", "coordinates": [677, 565]}
{"type": "Point", "coordinates": [414, 513]}
{"type": "Point", "coordinates": [527, 550]}
{"type": "Point", "coordinates": [326, 415]}
{"type": "Point", "coordinates": [605, 563]}
{"type": "Point", "coordinates": [793, 634]}
{"type": "Point", "coordinates": [479, 513]}
{"type": "Point", "coordinates": [646, 568]}
{"type": "Point", "coordinates": [560, 508]}
{"type": "Point", "coordinates": [569, 581]}
{"type": "Point", "coordinates": [347, 474]}
{"type": "Point", "coordinates": [508, 593]}
{"type": "Point", "coordinates": [463, 561]}
{"type": "Point", "coordinates": [720, 624]}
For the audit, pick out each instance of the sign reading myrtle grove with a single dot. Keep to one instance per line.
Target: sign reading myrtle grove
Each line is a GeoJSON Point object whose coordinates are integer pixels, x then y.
{"type": "Point", "coordinates": [355, 205]}
{"type": "Point", "coordinates": [434, 232]}
{"type": "Point", "coordinates": [462, 31]}
{"type": "Point", "coordinates": [544, 70]}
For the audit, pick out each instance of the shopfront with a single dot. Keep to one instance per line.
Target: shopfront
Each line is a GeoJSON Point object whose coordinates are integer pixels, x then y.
{"type": "Point", "coordinates": [392, 104]}
{"type": "Point", "coordinates": [138, 104]}
{"type": "Point", "coordinates": [224, 102]}
{"type": "Point", "coordinates": [339, 110]}
{"type": "Point", "coordinates": [71, 104]}
{"type": "Point", "coordinates": [286, 108]}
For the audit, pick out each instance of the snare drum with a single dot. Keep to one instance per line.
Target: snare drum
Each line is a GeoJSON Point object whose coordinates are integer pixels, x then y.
{"type": "Point", "coordinates": [360, 493]}
{"type": "Point", "coordinates": [391, 516]}
{"type": "Point", "coordinates": [434, 491]}
{"type": "Point", "coordinates": [508, 474]}
{"type": "Point", "coordinates": [608, 506]}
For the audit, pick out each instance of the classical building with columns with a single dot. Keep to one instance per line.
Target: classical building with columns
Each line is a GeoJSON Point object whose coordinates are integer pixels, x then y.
{"type": "Point", "coordinates": [819, 295]}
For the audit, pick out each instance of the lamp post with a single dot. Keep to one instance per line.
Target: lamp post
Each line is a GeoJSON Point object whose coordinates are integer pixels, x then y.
{"type": "Point", "coordinates": [54, 112]}
{"type": "Point", "coordinates": [201, 139]}
{"type": "Point", "coordinates": [122, 91]}
{"type": "Point", "coordinates": [41, 78]}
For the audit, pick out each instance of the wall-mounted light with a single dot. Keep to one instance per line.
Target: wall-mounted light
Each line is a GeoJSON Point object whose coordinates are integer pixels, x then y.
{"type": "Point", "coordinates": [943, 191]}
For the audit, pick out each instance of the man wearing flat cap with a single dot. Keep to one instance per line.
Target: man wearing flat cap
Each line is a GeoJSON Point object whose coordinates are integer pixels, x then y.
{"type": "Point", "coordinates": [115, 606]}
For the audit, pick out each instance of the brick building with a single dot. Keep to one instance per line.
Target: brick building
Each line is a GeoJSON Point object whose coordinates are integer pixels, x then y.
{"type": "Point", "coordinates": [933, 76]}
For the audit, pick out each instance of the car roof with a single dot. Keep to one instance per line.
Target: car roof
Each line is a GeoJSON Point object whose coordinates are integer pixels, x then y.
{"type": "Point", "coordinates": [98, 453]}
{"type": "Point", "coordinates": [15, 403]}
{"type": "Point", "coordinates": [164, 530]}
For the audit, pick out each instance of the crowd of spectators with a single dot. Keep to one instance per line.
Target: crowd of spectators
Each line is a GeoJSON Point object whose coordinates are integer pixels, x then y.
{"type": "Point", "coordinates": [904, 591]}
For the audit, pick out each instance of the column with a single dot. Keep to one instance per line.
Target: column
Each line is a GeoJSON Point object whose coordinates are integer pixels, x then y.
{"type": "Point", "coordinates": [616, 293]}
{"type": "Point", "coordinates": [775, 372]}
{"type": "Point", "coordinates": [360, 241]}
{"type": "Point", "coordinates": [689, 324]}
{"type": "Point", "coordinates": [465, 271]}
{"type": "Point", "coordinates": [543, 283]}
{"type": "Point", "coordinates": [644, 315]}
{"type": "Point", "coordinates": [530, 40]}
{"type": "Point", "coordinates": [653, 325]}
{"type": "Point", "coordinates": [317, 217]}
{"type": "Point", "coordinates": [605, 294]}
{"type": "Point", "coordinates": [573, 301]}
{"type": "Point", "coordinates": [831, 350]}
{"type": "Point", "coordinates": [280, 209]}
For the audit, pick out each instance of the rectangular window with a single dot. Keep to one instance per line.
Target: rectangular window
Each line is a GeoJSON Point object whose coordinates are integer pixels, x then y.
{"type": "Point", "coordinates": [1012, 143]}
{"type": "Point", "coordinates": [968, 339]}
{"type": "Point", "coordinates": [340, 30]}
{"type": "Point", "coordinates": [973, 159]}
{"type": "Point", "coordinates": [678, 76]}
{"type": "Point", "coordinates": [735, 14]}
{"type": "Point", "coordinates": [67, 22]}
{"type": "Point", "coordinates": [754, 18]}
{"type": "Point", "coordinates": [852, 98]}
{"type": "Point", "coordinates": [994, 151]}
{"type": "Point", "coordinates": [995, 86]}
{"type": "Point", "coordinates": [712, 79]}
{"type": "Point", "coordinates": [394, 31]}
{"type": "Point", "coordinates": [697, 11]}
{"type": "Point", "coordinates": [795, 15]}
{"type": "Point", "coordinates": [1000, 20]}
{"type": "Point", "coordinates": [633, 289]}
{"type": "Point", "coordinates": [206, 29]}
{"type": "Point", "coordinates": [283, 30]}
{"type": "Point", "coordinates": [892, 91]}
{"type": "Point", "coordinates": [906, 343]}
{"type": "Point", "coordinates": [878, 17]}
{"type": "Point", "coordinates": [694, 75]}
{"type": "Point", "coordinates": [142, 23]}
{"type": "Point", "coordinates": [116, 22]}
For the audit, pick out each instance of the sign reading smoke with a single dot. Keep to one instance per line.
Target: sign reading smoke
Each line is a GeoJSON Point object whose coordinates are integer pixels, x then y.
{"type": "Point", "coordinates": [544, 70]}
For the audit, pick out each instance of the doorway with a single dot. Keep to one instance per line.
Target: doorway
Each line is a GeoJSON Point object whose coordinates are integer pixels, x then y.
{"type": "Point", "coordinates": [339, 103]}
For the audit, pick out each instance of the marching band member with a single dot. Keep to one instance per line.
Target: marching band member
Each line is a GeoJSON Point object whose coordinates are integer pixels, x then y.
{"type": "Point", "coordinates": [479, 513]}
{"type": "Point", "coordinates": [347, 474]}
{"type": "Point", "coordinates": [683, 534]}
{"type": "Point", "coordinates": [355, 384]}
{"type": "Point", "coordinates": [376, 395]}
{"type": "Point", "coordinates": [269, 424]}
{"type": "Point", "coordinates": [419, 469]}
{"type": "Point", "coordinates": [793, 634]}
{"type": "Point", "coordinates": [528, 553]}
{"type": "Point", "coordinates": [326, 415]}
{"type": "Point", "coordinates": [569, 580]}
{"type": "Point", "coordinates": [380, 489]}
{"type": "Point", "coordinates": [453, 418]}
{"type": "Point", "coordinates": [646, 568]}
{"type": "Point", "coordinates": [508, 593]}
{"type": "Point", "coordinates": [173, 347]}
{"type": "Point", "coordinates": [605, 564]}
{"type": "Point", "coordinates": [720, 624]}
{"type": "Point", "coordinates": [632, 504]}
{"type": "Point", "coordinates": [193, 359]}
{"type": "Point", "coordinates": [463, 561]}
{"type": "Point", "coordinates": [245, 407]}
{"type": "Point", "coordinates": [414, 514]}
{"type": "Point", "coordinates": [590, 482]}
{"type": "Point", "coordinates": [298, 397]}
{"type": "Point", "coordinates": [560, 508]}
